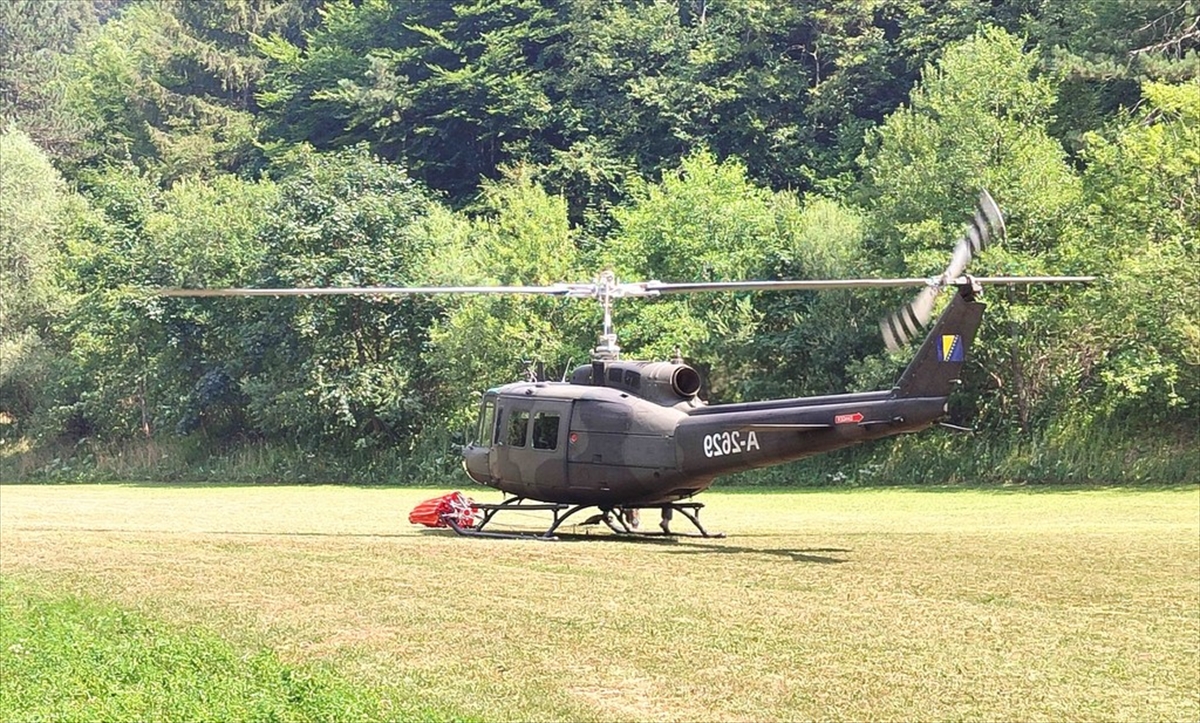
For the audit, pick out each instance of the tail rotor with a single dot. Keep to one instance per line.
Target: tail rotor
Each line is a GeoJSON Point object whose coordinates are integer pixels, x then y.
{"type": "Point", "coordinates": [905, 324]}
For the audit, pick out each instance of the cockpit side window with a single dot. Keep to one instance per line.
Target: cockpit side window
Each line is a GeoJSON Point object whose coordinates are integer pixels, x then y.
{"type": "Point", "coordinates": [518, 424]}
{"type": "Point", "coordinates": [487, 421]}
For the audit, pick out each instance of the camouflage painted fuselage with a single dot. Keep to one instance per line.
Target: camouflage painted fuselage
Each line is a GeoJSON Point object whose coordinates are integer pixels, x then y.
{"type": "Point", "coordinates": [625, 433]}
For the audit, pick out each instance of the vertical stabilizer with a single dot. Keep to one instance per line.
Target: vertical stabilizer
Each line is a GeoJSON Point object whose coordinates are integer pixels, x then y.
{"type": "Point", "coordinates": [938, 364]}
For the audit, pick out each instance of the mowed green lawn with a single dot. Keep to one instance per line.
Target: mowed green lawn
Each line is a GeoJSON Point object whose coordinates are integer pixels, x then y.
{"type": "Point", "coordinates": [856, 605]}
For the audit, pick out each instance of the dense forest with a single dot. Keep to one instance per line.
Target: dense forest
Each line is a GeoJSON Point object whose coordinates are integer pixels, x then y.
{"type": "Point", "coordinates": [163, 143]}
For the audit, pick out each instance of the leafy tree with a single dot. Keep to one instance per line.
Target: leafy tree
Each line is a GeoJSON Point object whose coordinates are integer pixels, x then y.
{"type": "Point", "coordinates": [1116, 39]}
{"type": "Point", "coordinates": [32, 196]}
{"type": "Point", "coordinates": [594, 91]}
{"type": "Point", "coordinates": [807, 342]}
{"type": "Point", "coordinates": [444, 88]}
{"type": "Point", "coordinates": [788, 88]}
{"type": "Point", "coordinates": [128, 364]}
{"type": "Point", "coordinates": [1101, 51]}
{"type": "Point", "coordinates": [171, 85]}
{"type": "Point", "coordinates": [646, 83]}
{"type": "Point", "coordinates": [207, 234]}
{"type": "Point", "coordinates": [862, 59]}
{"type": "Point", "coordinates": [672, 139]}
{"type": "Point", "coordinates": [703, 222]}
{"type": "Point", "coordinates": [33, 34]}
{"type": "Point", "coordinates": [707, 221]}
{"type": "Point", "coordinates": [1136, 337]}
{"type": "Point", "coordinates": [978, 119]}
{"type": "Point", "coordinates": [344, 371]}
{"type": "Point", "coordinates": [104, 382]}
{"type": "Point", "coordinates": [519, 236]}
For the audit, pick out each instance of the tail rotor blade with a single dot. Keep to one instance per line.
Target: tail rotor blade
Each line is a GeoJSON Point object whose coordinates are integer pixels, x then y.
{"type": "Point", "coordinates": [900, 328]}
{"type": "Point", "coordinates": [987, 222]}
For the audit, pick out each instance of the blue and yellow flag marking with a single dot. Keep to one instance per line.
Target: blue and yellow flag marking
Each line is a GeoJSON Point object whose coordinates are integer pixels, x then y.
{"type": "Point", "coordinates": [951, 349]}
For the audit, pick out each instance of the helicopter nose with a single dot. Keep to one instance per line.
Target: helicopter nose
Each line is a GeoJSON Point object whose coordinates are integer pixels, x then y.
{"type": "Point", "coordinates": [475, 462]}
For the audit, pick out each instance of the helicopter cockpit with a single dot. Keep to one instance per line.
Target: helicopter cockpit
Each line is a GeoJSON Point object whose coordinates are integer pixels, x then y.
{"type": "Point", "coordinates": [519, 437]}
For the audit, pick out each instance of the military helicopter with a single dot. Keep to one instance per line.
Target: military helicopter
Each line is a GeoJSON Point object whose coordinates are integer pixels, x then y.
{"type": "Point", "coordinates": [623, 436]}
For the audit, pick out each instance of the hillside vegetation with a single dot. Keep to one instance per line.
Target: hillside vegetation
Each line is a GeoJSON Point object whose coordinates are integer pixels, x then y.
{"type": "Point", "coordinates": [162, 143]}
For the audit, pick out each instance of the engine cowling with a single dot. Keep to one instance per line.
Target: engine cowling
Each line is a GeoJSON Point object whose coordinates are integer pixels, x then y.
{"type": "Point", "coordinates": [683, 380]}
{"type": "Point", "coordinates": [662, 382]}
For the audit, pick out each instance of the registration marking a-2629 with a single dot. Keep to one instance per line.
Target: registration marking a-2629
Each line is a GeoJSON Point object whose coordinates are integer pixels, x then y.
{"type": "Point", "coordinates": [731, 442]}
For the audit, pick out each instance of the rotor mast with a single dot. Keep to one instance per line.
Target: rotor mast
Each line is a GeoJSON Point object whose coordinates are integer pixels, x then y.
{"type": "Point", "coordinates": [607, 289]}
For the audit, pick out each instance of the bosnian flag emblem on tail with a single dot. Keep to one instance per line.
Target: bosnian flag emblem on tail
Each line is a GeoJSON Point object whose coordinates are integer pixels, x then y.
{"type": "Point", "coordinates": [951, 349]}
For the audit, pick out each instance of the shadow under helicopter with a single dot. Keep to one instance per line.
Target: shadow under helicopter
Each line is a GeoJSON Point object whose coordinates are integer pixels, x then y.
{"type": "Point", "coordinates": [794, 555]}
{"type": "Point", "coordinates": [688, 545]}
{"type": "Point", "coordinates": [673, 545]}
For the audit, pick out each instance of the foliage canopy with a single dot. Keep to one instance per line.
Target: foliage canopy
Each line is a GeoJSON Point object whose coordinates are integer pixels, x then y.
{"type": "Point", "coordinates": [301, 142]}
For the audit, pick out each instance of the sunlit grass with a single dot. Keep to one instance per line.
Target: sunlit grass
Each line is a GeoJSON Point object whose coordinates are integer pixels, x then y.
{"type": "Point", "coordinates": [870, 604]}
{"type": "Point", "coordinates": [67, 657]}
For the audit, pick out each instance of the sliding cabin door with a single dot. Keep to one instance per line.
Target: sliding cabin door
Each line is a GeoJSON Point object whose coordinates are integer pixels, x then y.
{"type": "Point", "coordinates": [529, 449]}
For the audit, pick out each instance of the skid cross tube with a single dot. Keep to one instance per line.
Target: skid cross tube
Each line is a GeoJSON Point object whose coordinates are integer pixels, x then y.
{"type": "Point", "coordinates": [691, 510]}
{"type": "Point", "coordinates": [560, 511]}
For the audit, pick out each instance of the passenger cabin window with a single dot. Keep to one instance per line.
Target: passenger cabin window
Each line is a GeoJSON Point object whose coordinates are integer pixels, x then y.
{"type": "Point", "coordinates": [487, 420]}
{"type": "Point", "coordinates": [545, 431]}
{"type": "Point", "coordinates": [518, 423]}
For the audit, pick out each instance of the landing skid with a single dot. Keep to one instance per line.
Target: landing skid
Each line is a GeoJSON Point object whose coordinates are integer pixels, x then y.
{"type": "Point", "coordinates": [618, 519]}
{"type": "Point", "coordinates": [619, 522]}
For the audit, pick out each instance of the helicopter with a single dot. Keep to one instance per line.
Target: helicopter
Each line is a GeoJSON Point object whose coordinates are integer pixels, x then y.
{"type": "Point", "coordinates": [623, 435]}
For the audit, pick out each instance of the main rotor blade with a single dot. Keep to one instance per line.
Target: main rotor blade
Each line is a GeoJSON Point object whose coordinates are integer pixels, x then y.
{"type": "Point", "coordinates": [555, 290]}
{"type": "Point", "coordinates": [905, 324]}
{"type": "Point", "coordinates": [654, 288]}
{"type": "Point", "coordinates": [1014, 280]}
{"type": "Point", "coordinates": [645, 288]}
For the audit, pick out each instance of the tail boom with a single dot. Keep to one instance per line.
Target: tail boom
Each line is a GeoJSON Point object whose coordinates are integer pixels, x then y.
{"type": "Point", "coordinates": [722, 439]}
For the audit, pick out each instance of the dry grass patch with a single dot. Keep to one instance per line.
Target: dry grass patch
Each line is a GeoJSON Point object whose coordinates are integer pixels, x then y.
{"type": "Point", "coordinates": [873, 604]}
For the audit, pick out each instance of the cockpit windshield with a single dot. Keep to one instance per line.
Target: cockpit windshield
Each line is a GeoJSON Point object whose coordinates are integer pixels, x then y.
{"type": "Point", "coordinates": [487, 422]}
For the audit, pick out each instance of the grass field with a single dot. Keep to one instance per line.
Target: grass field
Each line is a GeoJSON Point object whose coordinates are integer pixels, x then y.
{"type": "Point", "coordinates": [852, 605]}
